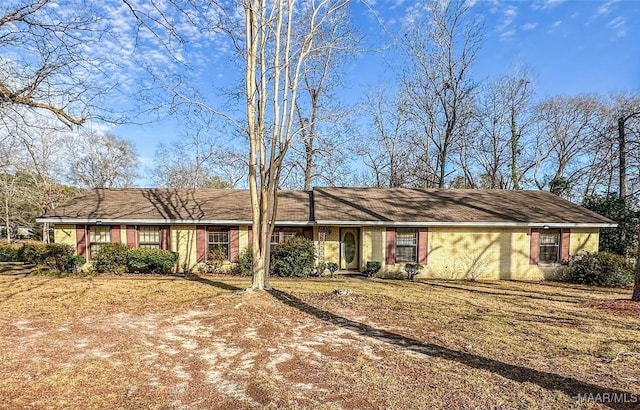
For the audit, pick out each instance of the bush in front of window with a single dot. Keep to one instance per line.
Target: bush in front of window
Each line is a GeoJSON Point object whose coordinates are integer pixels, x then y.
{"type": "Point", "coordinates": [215, 261]}
{"type": "Point", "coordinates": [111, 258]}
{"type": "Point", "coordinates": [600, 269]}
{"type": "Point", "coordinates": [372, 267]}
{"type": "Point", "coordinates": [412, 270]}
{"type": "Point", "coordinates": [150, 260]}
{"type": "Point", "coordinates": [244, 264]}
{"type": "Point", "coordinates": [294, 257]}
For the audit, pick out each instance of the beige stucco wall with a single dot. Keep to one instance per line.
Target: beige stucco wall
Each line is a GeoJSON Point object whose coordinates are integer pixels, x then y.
{"type": "Point", "coordinates": [243, 238]}
{"type": "Point", "coordinates": [490, 254]}
{"type": "Point", "coordinates": [372, 240]}
{"type": "Point", "coordinates": [584, 240]}
{"type": "Point", "coordinates": [65, 234]}
{"type": "Point", "coordinates": [183, 241]}
{"type": "Point", "coordinates": [328, 251]}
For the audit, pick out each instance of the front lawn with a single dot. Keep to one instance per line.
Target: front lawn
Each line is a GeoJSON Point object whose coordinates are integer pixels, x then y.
{"type": "Point", "coordinates": [169, 342]}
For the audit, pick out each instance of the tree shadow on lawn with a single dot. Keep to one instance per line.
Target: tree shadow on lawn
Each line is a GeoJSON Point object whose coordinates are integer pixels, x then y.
{"type": "Point", "coordinates": [473, 288]}
{"type": "Point", "coordinates": [550, 381]}
{"type": "Point", "coordinates": [214, 283]}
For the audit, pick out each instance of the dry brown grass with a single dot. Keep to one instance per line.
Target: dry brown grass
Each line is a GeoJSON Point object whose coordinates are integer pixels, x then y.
{"type": "Point", "coordinates": [168, 342]}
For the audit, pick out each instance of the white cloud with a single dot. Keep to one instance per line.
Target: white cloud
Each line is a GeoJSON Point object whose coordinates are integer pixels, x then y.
{"type": "Point", "coordinates": [556, 23]}
{"type": "Point", "coordinates": [605, 8]}
{"type": "Point", "coordinates": [529, 26]}
{"type": "Point", "coordinates": [545, 4]}
{"type": "Point", "coordinates": [619, 26]}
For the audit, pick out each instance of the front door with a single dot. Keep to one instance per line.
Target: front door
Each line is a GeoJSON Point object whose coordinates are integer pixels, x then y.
{"type": "Point", "coordinates": [349, 257]}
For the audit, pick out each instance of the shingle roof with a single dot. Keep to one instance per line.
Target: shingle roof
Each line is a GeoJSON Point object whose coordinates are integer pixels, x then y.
{"type": "Point", "coordinates": [379, 206]}
{"type": "Point", "coordinates": [136, 204]}
{"type": "Point", "coordinates": [473, 206]}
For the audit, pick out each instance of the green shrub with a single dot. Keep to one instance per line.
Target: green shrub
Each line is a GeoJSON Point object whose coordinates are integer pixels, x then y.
{"type": "Point", "coordinates": [600, 269]}
{"type": "Point", "coordinates": [51, 255]}
{"type": "Point", "coordinates": [73, 263]}
{"type": "Point", "coordinates": [333, 267]}
{"type": "Point", "coordinates": [412, 269]}
{"type": "Point", "coordinates": [9, 253]}
{"type": "Point", "coordinates": [111, 258]}
{"type": "Point", "coordinates": [149, 260]}
{"type": "Point", "coordinates": [372, 267]}
{"type": "Point", "coordinates": [215, 261]}
{"type": "Point", "coordinates": [244, 264]}
{"type": "Point", "coordinates": [295, 257]}
{"type": "Point", "coordinates": [320, 268]}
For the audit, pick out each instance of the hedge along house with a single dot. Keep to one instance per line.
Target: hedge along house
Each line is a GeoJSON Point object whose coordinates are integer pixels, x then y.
{"type": "Point", "coordinates": [489, 234]}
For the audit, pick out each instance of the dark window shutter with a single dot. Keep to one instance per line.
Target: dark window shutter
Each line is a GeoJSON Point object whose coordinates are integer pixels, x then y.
{"type": "Point", "coordinates": [165, 238]}
{"type": "Point", "coordinates": [534, 250]}
{"type": "Point", "coordinates": [115, 233]}
{"type": "Point", "coordinates": [201, 243]}
{"type": "Point", "coordinates": [132, 236]}
{"type": "Point", "coordinates": [391, 246]}
{"type": "Point", "coordinates": [423, 245]}
{"type": "Point", "coordinates": [565, 238]}
{"type": "Point", "coordinates": [234, 243]}
{"type": "Point", "coordinates": [308, 233]}
{"type": "Point", "coordinates": [81, 240]}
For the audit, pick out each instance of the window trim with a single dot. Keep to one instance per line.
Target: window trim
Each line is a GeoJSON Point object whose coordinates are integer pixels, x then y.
{"type": "Point", "coordinates": [414, 246]}
{"type": "Point", "coordinates": [284, 233]}
{"type": "Point", "coordinates": [211, 244]}
{"type": "Point", "coordinates": [141, 244]}
{"type": "Point", "coordinates": [92, 231]}
{"type": "Point", "coordinates": [557, 245]}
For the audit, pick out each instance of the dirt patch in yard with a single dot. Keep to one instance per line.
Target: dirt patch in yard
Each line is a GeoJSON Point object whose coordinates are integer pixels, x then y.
{"type": "Point", "coordinates": [623, 307]}
{"type": "Point", "coordinates": [161, 342]}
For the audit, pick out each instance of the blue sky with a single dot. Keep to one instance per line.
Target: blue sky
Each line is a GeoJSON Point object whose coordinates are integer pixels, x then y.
{"type": "Point", "coordinates": [570, 46]}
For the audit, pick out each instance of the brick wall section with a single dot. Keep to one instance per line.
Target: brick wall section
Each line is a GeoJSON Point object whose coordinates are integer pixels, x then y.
{"type": "Point", "coordinates": [423, 245]}
{"type": "Point", "coordinates": [234, 242]}
{"type": "Point", "coordinates": [132, 236]}
{"type": "Point", "coordinates": [391, 246]}
{"type": "Point", "coordinates": [115, 233]}
{"type": "Point", "coordinates": [81, 240]}
{"type": "Point", "coordinates": [534, 251]}
{"type": "Point", "coordinates": [565, 240]}
{"type": "Point", "coordinates": [201, 243]}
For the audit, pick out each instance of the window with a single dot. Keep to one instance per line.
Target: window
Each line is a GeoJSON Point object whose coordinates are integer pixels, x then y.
{"type": "Point", "coordinates": [218, 242]}
{"type": "Point", "coordinates": [280, 234]}
{"type": "Point", "coordinates": [407, 245]}
{"type": "Point", "coordinates": [98, 236]}
{"type": "Point", "coordinates": [549, 245]}
{"type": "Point", "coordinates": [149, 237]}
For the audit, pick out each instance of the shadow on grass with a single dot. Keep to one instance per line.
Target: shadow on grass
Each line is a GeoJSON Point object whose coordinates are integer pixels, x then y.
{"type": "Point", "coordinates": [207, 281]}
{"type": "Point", "coordinates": [473, 288]}
{"type": "Point", "coordinates": [550, 381]}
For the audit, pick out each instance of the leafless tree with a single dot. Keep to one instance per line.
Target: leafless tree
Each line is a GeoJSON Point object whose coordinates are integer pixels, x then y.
{"type": "Point", "coordinates": [101, 161]}
{"type": "Point", "coordinates": [442, 48]}
{"type": "Point", "coordinates": [567, 126]}
{"type": "Point", "coordinates": [44, 68]}
{"type": "Point", "coordinates": [322, 121]}
{"type": "Point", "coordinates": [385, 150]}
{"type": "Point", "coordinates": [197, 160]}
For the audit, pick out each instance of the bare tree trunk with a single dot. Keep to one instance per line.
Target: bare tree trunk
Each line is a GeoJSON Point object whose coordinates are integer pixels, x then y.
{"type": "Point", "coordinates": [622, 158]}
{"type": "Point", "coordinates": [514, 152]}
{"type": "Point", "coordinates": [6, 214]}
{"type": "Point", "coordinates": [636, 288]}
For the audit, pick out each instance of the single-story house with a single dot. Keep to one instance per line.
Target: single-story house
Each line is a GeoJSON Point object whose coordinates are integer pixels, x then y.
{"type": "Point", "coordinates": [489, 234]}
